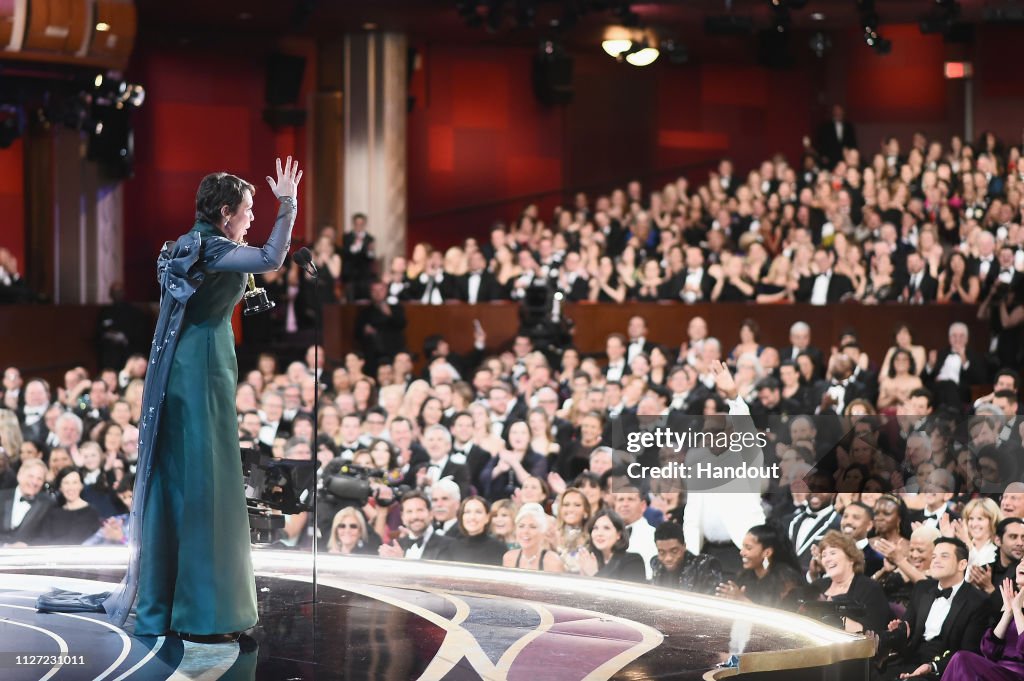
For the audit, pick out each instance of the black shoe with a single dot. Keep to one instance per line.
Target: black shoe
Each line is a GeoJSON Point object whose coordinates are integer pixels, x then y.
{"type": "Point", "coordinates": [209, 638]}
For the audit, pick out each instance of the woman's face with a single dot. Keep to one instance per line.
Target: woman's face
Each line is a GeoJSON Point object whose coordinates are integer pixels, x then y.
{"type": "Point", "coordinates": [590, 429]}
{"type": "Point", "coordinates": [837, 564]}
{"type": "Point", "coordinates": [381, 454]}
{"type": "Point", "coordinates": [474, 517]}
{"type": "Point", "coordinates": [529, 531]}
{"type": "Point", "coordinates": [238, 224]}
{"type": "Point", "coordinates": [571, 511]}
{"type": "Point", "coordinates": [29, 451]}
{"type": "Point", "coordinates": [112, 440]}
{"type": "Point", "coordinates": [902, 364]}
{"type": "Point", "coordinates": [593, 495]}
{"type": "Point", "coordinates": [348, 532]}
{"type": "Point", "coordinates": [887, 518]}
{"type": "Point", "coordinates": [920, 553]}
{"type": "Point", "coordinates": [59, 460]}
{"type": "Point", "coordinates": [71, 487]}
{"type": "Point", "coordinates": [978, 525]}
{"type": "Point", "coordinates": [432, 412]}
{"type": "Point", "coordinates": [501, 522]}
{"type": "Point", "coordinates": [710, 407]}
{"type": "Point", "coordinates": [852, 480]}
{"type": "Point", "coordinates": [604, 535]}
{"type": "Point", "coordinates": [519, 436]}
{"type": "Point", "coordinates": [538, 424]}
{"type": "Point", "coordinates": [532, 492]}
{"type": "Point", "coordinates": [752, 553]}
{"type": "Point", "coordinates": [746, 334]}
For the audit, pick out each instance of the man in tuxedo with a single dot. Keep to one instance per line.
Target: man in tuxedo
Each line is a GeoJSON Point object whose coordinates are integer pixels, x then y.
{"type": "Point", "coordinates": [936, 505]}
{"type": "Point", "coordinates": [687, 391]}
{"type": "Point", "coordinates": [12, 395]}
{"type": "Point", "coordinates": [399, 286]}
{"type": "Point", "coordinates": [985, 266]}
{"type": "Point", "coordinates": [953, 371]}
{"type": "Point", "coordinates": [444, 505]}
{"type": "Point", "coordinates": [380, 327]}
{"type": "Point", "coordinates": [800, 342]}
{"type": "Point", "coordinates": [420, 542]}
{"type": "Point", "coordinates": [37, 401]}
{"type": "Point", "coordinates": [827, 287]}
{"type": "Point", "coordinates": [573, 280]}
{"type": "Point", "coordinates": [807, 526]}
{"type": "Point", "coordinates": [693, 284]}
{"type": "Point", "coordinates": [505, 408]}
{"type": "Point", "coordinates": [1010, 540]}
{"type": "Point", "coordinates": [435, 286]}
{"type": "Point", "coordinates": [615, 349]}
{"type": "Point", "coordinates": [834, 136]}
{"type": "Point", "coordinates": [945, 614]}
{"type": "Point", "coordinates": [478, 285]}
{"type": "Point", "coordinates": [465, 452]}
{"type": "Point", "coordinates": [438, 443]}
{"type": "Point", "coordinates": [24, 508]}
{"type": "Point", "coordinates": [638, 343]}
{"type": "Point", "coordinates": [357, 256]}
{"type": "Point", "coordinates": [921, 287]}
{"type": "Point", "coordinates": [857, 520]}
{"type": "Point", "coordinates": [272, 416]}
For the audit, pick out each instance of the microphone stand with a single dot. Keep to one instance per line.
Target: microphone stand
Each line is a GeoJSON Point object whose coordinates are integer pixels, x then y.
{"type": "Point", "coordinates": [311, 269]}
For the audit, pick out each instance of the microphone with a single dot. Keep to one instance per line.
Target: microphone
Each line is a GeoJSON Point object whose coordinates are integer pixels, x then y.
{"type": "Point", "coordinates": [304, 259]}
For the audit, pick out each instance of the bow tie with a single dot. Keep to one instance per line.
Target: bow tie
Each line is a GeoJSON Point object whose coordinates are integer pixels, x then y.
{"type": "Point", "coordinates": [418, 541]}
{"type": "Point", "coordinates": [944, 593]}
{"type": "Point", "coordinates": [438, 525]}
{"type": "Point", "coordinates": [29, 500]}
{"type": "Point", "coordinates": [35, 411]}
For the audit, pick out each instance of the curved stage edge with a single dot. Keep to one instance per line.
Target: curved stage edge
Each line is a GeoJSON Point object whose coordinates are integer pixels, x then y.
{"type": "Point", "coordinates": [376, 618]}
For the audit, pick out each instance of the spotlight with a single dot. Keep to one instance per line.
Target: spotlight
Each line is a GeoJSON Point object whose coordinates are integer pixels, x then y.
{"type": "Point", "coordinates": [616, 46]}
{"type": "Point", "coordinates": [641, 54]}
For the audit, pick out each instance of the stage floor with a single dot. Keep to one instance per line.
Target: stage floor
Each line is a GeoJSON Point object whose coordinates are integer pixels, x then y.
{"type": "Point", "coordinates": [375, 618]}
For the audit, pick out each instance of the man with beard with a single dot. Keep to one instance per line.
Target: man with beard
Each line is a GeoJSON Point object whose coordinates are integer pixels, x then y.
{"type": "Point", "coordinates": [675, 567]}
{"type": "Point", "coordinates": [807, 526]}
{"type": "Point", "coordinates": [421, 541]}
{"type": "Point", "coordinates": [1010, 540]}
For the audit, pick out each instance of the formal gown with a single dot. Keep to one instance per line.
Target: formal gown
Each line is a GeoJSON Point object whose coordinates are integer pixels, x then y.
{"type": "Point", "coordinates": [1000, 660]}
{"type": "Point", "coordinates": [195, 572]}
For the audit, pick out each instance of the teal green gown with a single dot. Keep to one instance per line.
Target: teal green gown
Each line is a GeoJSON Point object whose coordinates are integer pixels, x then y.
{"type": "Point", "coordinates": [195, 572]}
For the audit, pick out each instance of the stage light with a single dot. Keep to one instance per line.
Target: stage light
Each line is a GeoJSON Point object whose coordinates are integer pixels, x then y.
{"type": "Point", "coordinates": [102, 26]}
{"type": "Point", "coordinates": [644, 56]}
{"type": "Point", "coordinates": [615, 47]}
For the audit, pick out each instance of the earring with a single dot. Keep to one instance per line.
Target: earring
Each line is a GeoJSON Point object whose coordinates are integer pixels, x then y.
{"type": "Point", "coordinates": [766, 563]}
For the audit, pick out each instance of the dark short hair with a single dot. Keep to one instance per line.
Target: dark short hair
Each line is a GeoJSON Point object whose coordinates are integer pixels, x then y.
{"type": "Point", "coordinates": [924, 392]}
{"type": "Point", "coordinates": [1012, 374]}
{"type": "Point", "coordinates": [669, 530]}
{"type": "Point", "coordinates": [867, 509]}
{"type": "Point", "coordinates": [962, 552]}
{"type": "Point", "coordinates": [413, 495]}
{"type": "Point", "coordinates": [217, 190]}
{"type": "Point", "coordinates": [616, 520]}
{"type": "Point", "coordinates": [1007, 395]}
{"type": "Point", "coordinates": [1005, 523]}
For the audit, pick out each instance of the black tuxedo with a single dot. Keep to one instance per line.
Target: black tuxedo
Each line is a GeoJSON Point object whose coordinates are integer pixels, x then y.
{"type": "Point", "coordinates": [839, 285]}
{"type": "Point", "coordinates": [830, 146]}
{"type": "Point", "coordinates": [388, 337]}
{"type": "Point", "coordinates": [645, 347]}
{"type": "Point", "coordinates": [37, 432]}
{"type": "Point", "coordinates": [32, 526]}
{"type": "Point", "coordinates": [962, 629]}
{"type": "Point", "coordinates": [475, 459]}
{"type": "Point", "coordinates": [458, 472]}
{"type": "Point", "coordinates": [946, 392]}
{"type": "Point", "coordinates": [357, 265]}
{"type": "Point", "coordinates": [488, 290]}
{"type": "Point", "coordinates": [989, 280]}
{"type": "Point", "coordinates": [578, 290]}
{"type": "Point", "coordinates": [450, 287]}
{"type": "Point", "coordinates": [824, 521]}
{"type": "Point", "coordinates": [673, 288]}
{"type": "Point", "coordinates": [928, 288]}
{"type": "Point", "coordinates": [438, 546]}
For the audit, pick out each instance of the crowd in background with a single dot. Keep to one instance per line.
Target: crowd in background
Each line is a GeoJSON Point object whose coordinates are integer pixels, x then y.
{"type": "Point", "coordinates": [898, 504]}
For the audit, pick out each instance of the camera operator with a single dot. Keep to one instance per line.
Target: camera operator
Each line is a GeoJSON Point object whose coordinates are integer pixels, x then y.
{"type": "Point", "coordinates": [344, 485]}
{"type": "Point", "coordinates": [1004, 309]}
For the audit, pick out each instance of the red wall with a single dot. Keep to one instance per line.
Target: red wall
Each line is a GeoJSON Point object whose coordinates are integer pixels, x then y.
{"type": "Point", "coordinates": [12, 201]}
{"type": "Point", "coordinates": [203, 114]}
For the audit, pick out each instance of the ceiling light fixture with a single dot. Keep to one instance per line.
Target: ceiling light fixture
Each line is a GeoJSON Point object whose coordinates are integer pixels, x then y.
{"type": "Point", "coordinates": [616, 46]}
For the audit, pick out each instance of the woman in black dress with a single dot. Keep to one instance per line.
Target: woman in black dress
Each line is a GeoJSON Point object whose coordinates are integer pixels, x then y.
{"type": "Point", "coordinates": [74, 520]}
{"type": "Point", "coordinates": [473, 544]}
{"type": "Point", "coordinates": [771, 571]}
{"type": "Point", "coordinates": [846, 583]}
{"type": "Point", "coordinates": [606, 555]}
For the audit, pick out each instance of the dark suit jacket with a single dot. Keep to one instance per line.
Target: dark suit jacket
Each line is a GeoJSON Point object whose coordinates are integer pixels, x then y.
{"type": "Point", "coordinates": [476, 458]}
{"type": "Point", "coordinates": [458, 472]}
{"type": "Point", "coordinates": [976, 372]}
{"type": "Point", "coordinates": [580, 290]}
{"type": "Point", "coordinates": [929, 289]}
{"type": "Point", "coordinates": [673, 288]}
{"type": "Point", "coordinates": [962, 629]}
{"type": "Point", "coordinates": [32, 525]}
{"type": "Point", "coordinates": [489, 289]}
{"type": "Point", "coordinates": [839, 285]}
{"type": "Point", "coordinates": [829, 145]}
{"type": "Point", "coordinates": [438, 546]}
{"type": "Point", "coordinates": [625, 566]}
{"type": "Point", "coordinates": [358, 265]}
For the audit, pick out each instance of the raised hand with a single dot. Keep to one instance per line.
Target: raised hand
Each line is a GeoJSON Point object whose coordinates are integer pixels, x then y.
{"type": "Point", "coordinates": [724, 380]}
{"type": "Point", "coordinates": [288, 177]}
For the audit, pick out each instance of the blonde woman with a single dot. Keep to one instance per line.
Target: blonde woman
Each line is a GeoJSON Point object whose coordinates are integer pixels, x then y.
{"type": "Point", "coordinates": [503, 522]}
{"type": "Point", "coordinates": [540, 433]}
{"type": "Point", "coordinates": [455, 261]}
{"type": "Point", "coordinates": [133, 396]}
{"type": "Point", "coordinates": [977, 529]}
{"type": "Point", "coordinates": [349, 534]}
{"type": "Point", "coordinates": [415, 395]}
{"type": "Point", "coordinates": [390, 398]}
{"type": "Point", "coordinates": [573, 514]}
{"type": "Point", "coordinates": [10, 434]}
{"type": "Point", "coordinates": [531, 528]}
{"type": "Point", "coordinates": [483, 436]}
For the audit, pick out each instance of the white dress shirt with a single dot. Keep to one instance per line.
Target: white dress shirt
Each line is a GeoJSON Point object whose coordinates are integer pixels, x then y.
{"type": "Point", "coordinates": [20, 509]}
{"type": "Point", "coordinates": [473, 288]}
{"type": "Point", "coordinates": [938, 613]}
{"type": "Point", "coordinates": [641, 540]}
{"type": "Point", "coordinates": [819, 294]}
{"type": "Point", "coordinates": [616, 370]}
{"type": "Point", "coordinates": [416, 552]}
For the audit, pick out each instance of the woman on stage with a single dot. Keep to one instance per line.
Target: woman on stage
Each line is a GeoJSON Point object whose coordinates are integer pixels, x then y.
{"type": "Point", "coordinates": [189, 559]}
